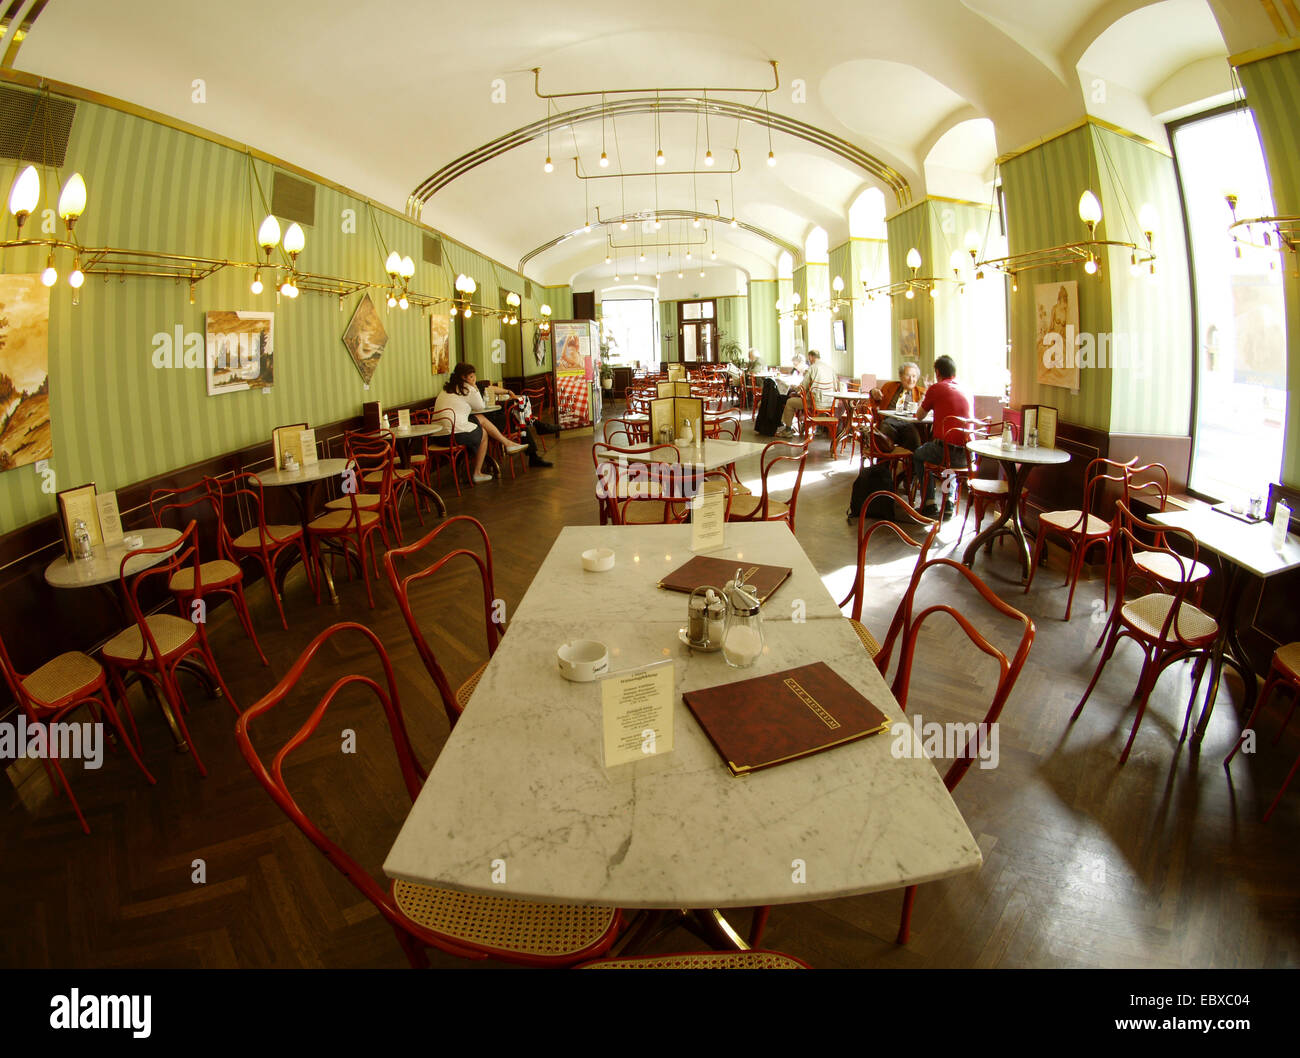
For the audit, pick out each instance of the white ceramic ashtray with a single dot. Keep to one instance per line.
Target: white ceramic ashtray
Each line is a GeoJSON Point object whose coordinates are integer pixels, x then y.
{"type": "Point", "coordinates": [598, 560]}
{"type": "Point", "coordinates": [133, 543]}
{"type": "Point", "coordinates": [582, 660]}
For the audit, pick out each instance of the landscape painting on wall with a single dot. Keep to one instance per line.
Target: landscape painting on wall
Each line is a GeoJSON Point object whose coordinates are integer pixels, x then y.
{"type": "Point", "coordinates": [909, 343]}
{"type": "Point", "coordinates": [24, 371]}
{"type": "Point", "coordinates": [1058, 327]}
{"type": "Point", "coordinates": [365, 338]}
{"type": "Point", "coordinates": [240, 353]}
{"type": "Point", "coordinates": [440, 343]}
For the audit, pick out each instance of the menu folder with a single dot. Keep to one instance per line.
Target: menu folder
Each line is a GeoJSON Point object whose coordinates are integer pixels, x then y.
{"type": "Point", "coordinates": [784, 716]}
{"type": "Point", "coordinates": [702, 570]}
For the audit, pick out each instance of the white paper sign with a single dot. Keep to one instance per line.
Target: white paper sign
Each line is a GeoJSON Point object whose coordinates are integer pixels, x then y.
{"type": "Point", "coordinates": [110, 520]}
{"type": "Point", "coordinates": [708, 521]}
{"type": "Point", "coordinates": [638, 713]}
{"type": "Point", "coordinates": [307, 442]}
{"type": "Point", "coordinates": [404, 419]}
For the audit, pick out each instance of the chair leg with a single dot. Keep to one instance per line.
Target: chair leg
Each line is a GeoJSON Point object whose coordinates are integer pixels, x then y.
{"type": "Point", "coordinates": [116, 721]}
{"type": "Point", "coordinates": [1267, 690]}
{"type": "Point", "coordinates": [1146, 683]}
{"type": "Point", "coordinates": [1105, 657]}
{"type": "Point", "coordinates": [172, 692]}
{"type": "Point", "coordinates": [1080, 548]}
{"type": "Point", "coordinates": [209, 660]}
{"type": "Point", "coordinates": [1295, 699]}
{"type": "Point", "coordinates": [757, 926]}
{"type": "Point", "coordinates": [268, 568]}
{"type": "Point", "coordinates": [54, 762]}
{"type": "Point", "coordinates": [905, 922]}
{"type": "Point", "coordinates": [1285, 783]}
{"type": "Point", "coordinates": [1039, 540]}
{"type": "Point", "coordinates": [245, 618]}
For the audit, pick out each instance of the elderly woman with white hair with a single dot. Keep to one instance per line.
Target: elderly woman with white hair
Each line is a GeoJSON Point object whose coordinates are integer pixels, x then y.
{"type": "Point", "coordinates": [892, 395]}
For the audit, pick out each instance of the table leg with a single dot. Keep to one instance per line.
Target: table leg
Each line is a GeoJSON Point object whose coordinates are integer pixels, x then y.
{"type": "Point", "coordinates": [1008, 525]}
{"type": "Point", "coordinates": [1227, 649]}
{"type": "Point", "coordinates": [419, 485]}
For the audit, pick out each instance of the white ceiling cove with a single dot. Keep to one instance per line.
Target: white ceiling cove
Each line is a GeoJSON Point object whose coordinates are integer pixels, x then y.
{"type": "Point", "coordinates": [380, 96]}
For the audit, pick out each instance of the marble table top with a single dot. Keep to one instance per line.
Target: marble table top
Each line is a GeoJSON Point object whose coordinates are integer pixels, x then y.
{"type": "Point", "coordinates": [318, 471]}
{"type": "Point", "coordinates": [992, 449]}
{"type": "Point", "coordinates": [431, 429]}
{"type": "Point", "coordinates": [522, 779]}
{"type": "Point", "coordinates": [1248, 546]}
{"type": "Point", "coordinates": [713, 455]}
{"type": "Point", "coordinates": [644, 554]}
{"type": "Point", "coordinates": [105, 563]}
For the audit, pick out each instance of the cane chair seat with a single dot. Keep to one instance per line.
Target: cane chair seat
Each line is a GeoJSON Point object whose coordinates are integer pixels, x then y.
{"type": "Point", "coordinates": [337, 520]}
{"type": "Point", "coordinates": [864, 633]}
{"type": "Point", "coordinates": [366, 501]}
{"type": "Point", "coordinates": [645, 512]}
{"type": "Point", "coordinates": [744, 505]}
{"type": "Point", "coordinates": [1068, 520]}
{"type": "Point", "coordinates": [503, 924]}
{"type": "Point", "coordinates": [703, 960]}
{"type": "Point", "coordinates": [1288, 658]}
{"type": "Point", "coordinates": [989, 486]}
{"type": "Point", "coordinates": [737, 488]}
{"type": "Point", "coordinates": [419, 458]}
{"type": "Point", "coordinates": [275, 534]}
{"type": "Point", "coordinates": [212, 574]}
{"type": "Point", "coordinates": [1165, 567]}
{"type": "Point", "coordinates": [1148, 615]}
{"type": "Point", "coordinates": [375, 477]}
{"type": "Point", "coordinates": [62, 676]}
{"type": "Point", "coordinates": [170, 632]}
{"type": "Point", "coordinates": [466, 690]}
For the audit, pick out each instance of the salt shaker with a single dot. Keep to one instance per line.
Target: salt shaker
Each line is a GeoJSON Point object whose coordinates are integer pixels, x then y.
{"type": "Point", "coordinates": [1007, 442]}
{"type": "Point", "coordinates": [81, 540]}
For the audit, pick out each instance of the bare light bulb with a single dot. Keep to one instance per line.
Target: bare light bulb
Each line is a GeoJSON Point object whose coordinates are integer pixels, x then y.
{"type": "Point", "coordinates": [256, 286]}
{"type": "Point", "coordinates": [604, 160]}
{"type": "Point", "coordinates": [771, 159]}
{"type": "Point", "coordinates": [51, 275]}
{"type": "Point", "coordinates": [549, 166]}
{"type": "Point", "coordinates": [659, 157]}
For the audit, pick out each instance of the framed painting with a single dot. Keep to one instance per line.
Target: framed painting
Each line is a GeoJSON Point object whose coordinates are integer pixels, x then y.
{"type": "Point", "coordinates": [25, 435]}
{"type": "Point", "coordinates": [909, 341]}
{"type": "Point", "coordinates": [365, 338]}
{"type": "Point", "coordinates": [1057, 306]}
{"type": "Point", "coordinates": [240, 351]}
{"type": "Point", "coordinates": [440, 343]}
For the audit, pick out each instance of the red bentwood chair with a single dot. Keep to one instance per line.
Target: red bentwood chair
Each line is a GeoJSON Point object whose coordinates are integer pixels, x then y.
{"type": "Point", "coordinates": [865, 533]}
{"type": "Point", "coordinates": [905, 629]}
{"type": "Point", "coordinates": [453, 703]}
{"type": "Point", "coordinates": [422, 916]}
{"type": "Point", "coordinates": [55, 690]}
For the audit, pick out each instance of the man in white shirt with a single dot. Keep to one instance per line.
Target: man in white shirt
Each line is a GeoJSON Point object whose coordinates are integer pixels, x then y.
{"type": "Point", "coordinates": [816, 388]}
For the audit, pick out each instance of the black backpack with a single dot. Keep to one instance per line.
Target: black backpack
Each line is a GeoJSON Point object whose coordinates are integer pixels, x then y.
{"type": "Point", "coordinates": [876, 478]}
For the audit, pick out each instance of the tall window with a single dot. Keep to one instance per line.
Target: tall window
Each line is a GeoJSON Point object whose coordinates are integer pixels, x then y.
{"type": "Point", "coordinates": [630, 327]}
{"type": "Point", "coordinates": [1241, 321]}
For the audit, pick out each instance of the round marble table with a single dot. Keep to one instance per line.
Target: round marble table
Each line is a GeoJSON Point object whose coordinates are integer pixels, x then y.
{"type": "Point", "coordinates": [1018, 461]}
{"type": "Point", "coordinates": [105, 564]}
{"type": "Point", "coordinates": [301, 483]}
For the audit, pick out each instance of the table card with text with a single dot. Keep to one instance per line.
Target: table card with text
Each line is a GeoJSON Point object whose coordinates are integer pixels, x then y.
{"type": "Point", "coordinates": [708, 521]}
{"type": "Point", "coordinates": [638, 713]}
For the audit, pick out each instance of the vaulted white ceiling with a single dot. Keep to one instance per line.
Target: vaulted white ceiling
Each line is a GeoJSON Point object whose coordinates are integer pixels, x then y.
{"type": "Point", "coordinates": [380, 96]}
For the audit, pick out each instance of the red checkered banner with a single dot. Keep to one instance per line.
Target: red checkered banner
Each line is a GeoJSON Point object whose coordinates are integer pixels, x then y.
{"type": "Point", "coordinates": [572, 395]}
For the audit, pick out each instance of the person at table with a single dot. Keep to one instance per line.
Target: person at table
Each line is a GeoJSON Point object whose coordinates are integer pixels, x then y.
{"type": "Point", "coordinates": [511, 406]}
{"type": "Point", "coordinates": [892, 396]}
{"type": "Point", "coordinates": [944, 398]}
{"type": "Point", "coordinates": [817, 385]}
{"type": "Point", "coordinates": [455, 397]}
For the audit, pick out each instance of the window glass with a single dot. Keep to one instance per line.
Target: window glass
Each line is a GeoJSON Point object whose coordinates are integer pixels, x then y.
{"type": "Point", "coordinates": [1241, 344]}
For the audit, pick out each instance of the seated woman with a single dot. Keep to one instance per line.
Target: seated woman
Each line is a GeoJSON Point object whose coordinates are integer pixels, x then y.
{"type": "Point", "coordinates": [455, 397]}
{"type": "Point", "coordinates": [511, 404]}
{"type": "Point", "coordinates": [891, 395]}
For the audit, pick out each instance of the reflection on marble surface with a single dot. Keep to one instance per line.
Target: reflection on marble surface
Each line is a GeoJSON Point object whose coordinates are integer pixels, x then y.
{"type": "Point", "coordinates": [522, 779]}
{"type": "Point", "coordinates": [643, 554]}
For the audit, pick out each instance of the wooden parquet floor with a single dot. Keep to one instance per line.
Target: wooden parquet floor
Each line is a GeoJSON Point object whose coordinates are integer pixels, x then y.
{"type": "Point", "coordinates": [1161, 863]}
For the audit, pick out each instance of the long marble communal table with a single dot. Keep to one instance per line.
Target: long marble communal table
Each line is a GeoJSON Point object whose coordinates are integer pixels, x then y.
{"type": "Point", "coordinates": [521, 779]}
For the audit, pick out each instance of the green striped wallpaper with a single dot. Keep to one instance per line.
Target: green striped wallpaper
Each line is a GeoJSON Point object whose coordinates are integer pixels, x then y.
{"type": "Point", "coordinates": [1042, 189]}
{"type": "Point", "coordinates": [764, 334]}
{"type": "Point", "coordinates": [906, 230]}
{"type": "Point", "coordinates": [117, 418]}
{"type": "Point", "coordinates": [841, 264]}
{"type": "Point", "coordinates": [1272, 88]}
{"type": "Point", "coordinates": [1151, 391]}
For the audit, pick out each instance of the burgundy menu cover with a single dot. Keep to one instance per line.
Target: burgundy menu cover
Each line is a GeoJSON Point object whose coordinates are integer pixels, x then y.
{"type": "Point", "coordinates": [783, 716]}
{"type": "Point", "coordinates": [717, 571]}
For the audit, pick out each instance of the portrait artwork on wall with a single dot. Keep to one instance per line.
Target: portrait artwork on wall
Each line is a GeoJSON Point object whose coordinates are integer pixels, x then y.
{"type": "Point", "coordinates": [365, 338]}
{"type": "Point", "coordinates": [909, 341]}
{"type": "Point", "coordinates": [240, 351]}
{"type": "Point", "coordinates": [840, 336]}
{"type": "Point", "coordinates": [25, 435]}
{"type": "Point", "coordinates": [1057, 307]}
{"type": "Point", "coordinates": [440, 343]}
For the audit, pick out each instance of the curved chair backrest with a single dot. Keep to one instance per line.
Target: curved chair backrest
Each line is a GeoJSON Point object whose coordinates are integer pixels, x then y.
{"type": "Point", "coordinates": [402, 591]}
{"type": "Point", "coordinates": [176, 508]}
{"type": "Point", "coordinates": [272, 778]}
{"type": "Point", "coordinates": [930, 528]}
{"type": "Point", "coordinates": [1096, 477]}
{"type": "Point", "coordinates": [186, 552]}
{"type": "Point", "coordinates": [774, 454]}
{"type": "Point", "coordinates": [613, 468]}
{"type": "Point", "coordinates": [619, 432]}
{"type": "Point", "coordinates": [1156, 538]}
{"type": "Point", "coordinates": [726, 428]}
{"type": "Point", "coordinates": [1149, 483]}
{"type": "Point", "coordinates": [444, 440]}
{"type": "Point", "coordinates": [909, 624]}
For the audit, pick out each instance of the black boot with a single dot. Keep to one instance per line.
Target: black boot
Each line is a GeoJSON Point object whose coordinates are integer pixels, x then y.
{"type": "Point", "coordinates": [535, 448]}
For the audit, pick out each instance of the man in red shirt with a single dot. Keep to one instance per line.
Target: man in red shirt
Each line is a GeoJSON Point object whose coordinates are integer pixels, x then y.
{"type": "Point", "coordinates": [944, 398]}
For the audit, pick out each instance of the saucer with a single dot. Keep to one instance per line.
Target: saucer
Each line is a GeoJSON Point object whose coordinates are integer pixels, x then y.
{"type": "Point", "coordinates": [681, 634]}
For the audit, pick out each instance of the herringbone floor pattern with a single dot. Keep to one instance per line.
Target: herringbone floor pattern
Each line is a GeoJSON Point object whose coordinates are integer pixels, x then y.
{"type": "Point", "coordinates": [1161, 863]}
